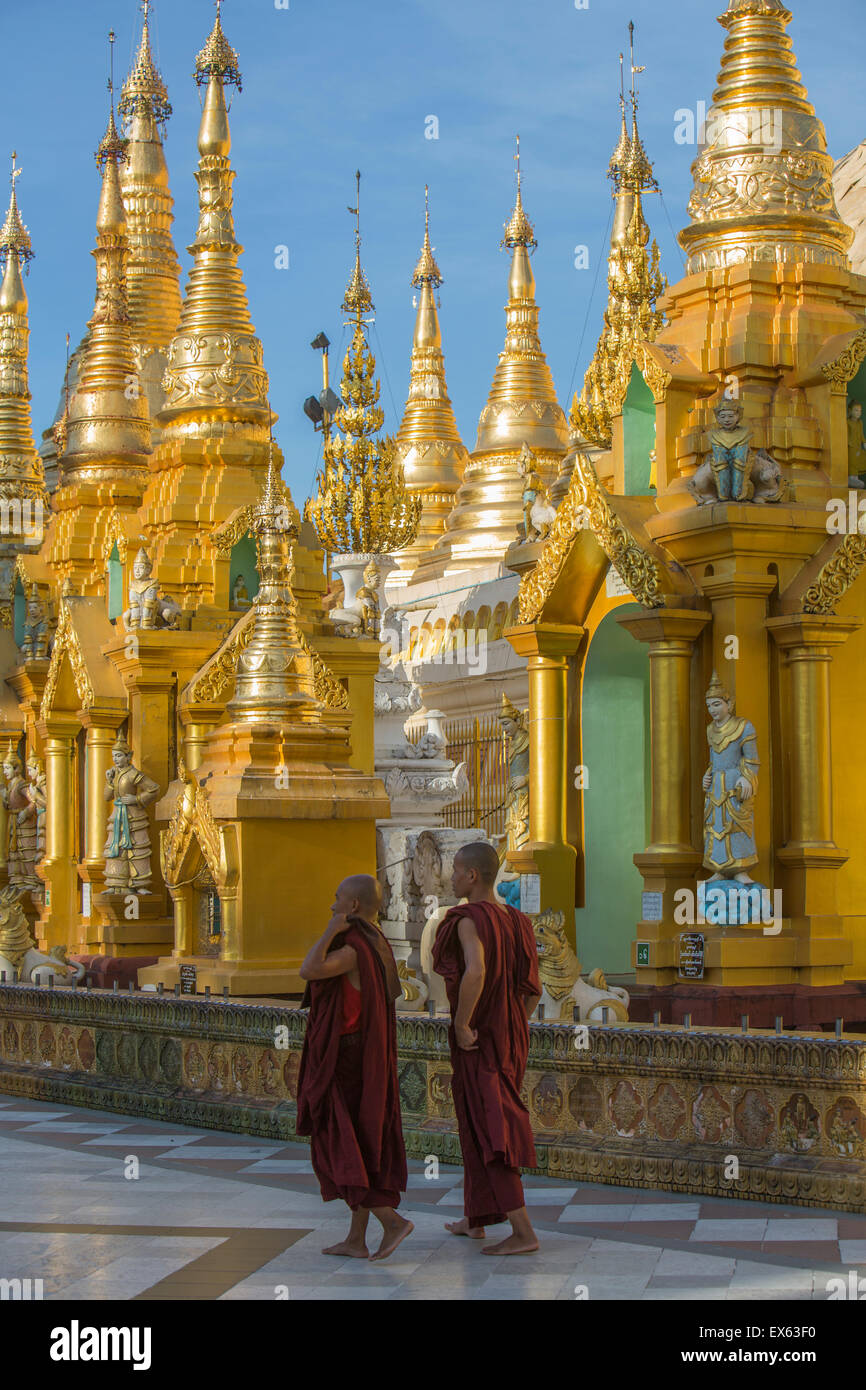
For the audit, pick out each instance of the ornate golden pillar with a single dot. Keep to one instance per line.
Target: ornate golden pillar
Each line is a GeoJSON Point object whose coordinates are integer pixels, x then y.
{"type": "Point", "coordinates": [548, 648]}
{"type": "Point", "coordinates": [809, 856]}
{"type": "Point", "coordinates": [670, 861]}
{"type": "Point", "coordinates": [58, 924]}
{"type": "Point", "coordinates": [101, 731]}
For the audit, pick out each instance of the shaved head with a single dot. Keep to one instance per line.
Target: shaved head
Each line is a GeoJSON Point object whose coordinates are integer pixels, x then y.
{"type": "Point", "coordinates": [482, 858]}
{"type": "Point", "coordinates": [365, 889]}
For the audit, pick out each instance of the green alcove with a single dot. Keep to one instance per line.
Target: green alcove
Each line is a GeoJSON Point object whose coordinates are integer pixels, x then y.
{"type": "Point", "coordinates": [19, 609]}
{"type": "Point", "coordinates": [616, 743]}
{"type": "Point", "coordinates": [243, 562]}
{"type": "Point", "coordinates": [639, 435]}
{"type": "Point", "coordinates": [114, 571]}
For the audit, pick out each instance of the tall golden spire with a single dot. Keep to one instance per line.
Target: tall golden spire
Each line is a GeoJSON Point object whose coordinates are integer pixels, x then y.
{"type": "Point", "coordinates": [428, 442]}
{"type": "Point", "coordinates": [108, 420]}
{"type": "Point", "coordinates": [21, 473]}
{"type": "Point", "coordinates": [634, 284]}
{"type": "Point", "coordinates": [521, 410]}
{"type": "Point", "coordinates": [153, 272]}
{"type": "Point", "coordinates": [362, 505]}
{"type": "Point", "coordinates": [215, 378]}
{"type": "Point", "coordinates": [763, 179]}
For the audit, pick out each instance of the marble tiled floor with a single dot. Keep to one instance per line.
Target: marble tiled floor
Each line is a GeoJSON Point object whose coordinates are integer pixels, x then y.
{"type": "Point", "coordinates": [220, 1216]}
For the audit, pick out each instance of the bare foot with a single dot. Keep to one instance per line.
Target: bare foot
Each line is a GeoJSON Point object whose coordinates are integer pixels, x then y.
{"type": "Point", "coordinates": [512, 1245]}
{"type": "Point", "coordinates": [462, 1228]}
{"type": "Point", "coordinates": [391, 1238]}
{"type": "Point", "coordinates": [350, 1248]}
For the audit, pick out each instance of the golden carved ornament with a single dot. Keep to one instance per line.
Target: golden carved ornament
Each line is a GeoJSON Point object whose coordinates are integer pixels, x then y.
{"type": "Point", "coordinates": [222, 669]}
{"type": "Point", "coordinates": [586, 507]}
{"type": "Point", "coordinates": [836, 576]}
{"type": "Point", "coordinates": [329, 690]}
{"type": "Point", "coordinates": [66, 644]}
{"type": "Point", "coordinates": [192, 817]}
{"type": "Point", "coordinates": [845, 367]}
{"type": "Point", "coordinates": [114, 535]}
{"type": "Point", "coordinates": [225, 537]}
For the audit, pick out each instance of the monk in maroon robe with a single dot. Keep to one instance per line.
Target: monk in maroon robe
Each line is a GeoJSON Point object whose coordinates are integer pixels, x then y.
{"type": "Point", "coordinates": [486, 954]}
{"type": "Point", "coordinates": [348, 1098]}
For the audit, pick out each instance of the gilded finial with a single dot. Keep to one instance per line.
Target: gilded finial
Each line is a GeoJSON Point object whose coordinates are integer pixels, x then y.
{"type": "Point", "coordinates": [218, 58]}
{"type": "Point", "coordinates": [14, 236]}
{"type": "Point", "coordinates": [637, 172]}
{"type": "Point", "coordinates": [621, 153]}
{"type": "Point", "coordinates": [357, 300]}
{"type": "Point", "coordinates": [518, 228]}
{"type": "Point", "coordinates": [111, 147]}
{"type": "Point", "coordinates": [427, 271]}
{"type": "Point", "coordinates": [144, 89]}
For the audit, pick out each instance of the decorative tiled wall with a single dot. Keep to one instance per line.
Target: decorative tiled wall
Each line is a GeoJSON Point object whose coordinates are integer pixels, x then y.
{"type": "Point", "coordinates": [639, 1106]}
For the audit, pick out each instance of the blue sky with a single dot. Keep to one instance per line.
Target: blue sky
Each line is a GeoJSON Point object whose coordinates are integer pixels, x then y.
{"type": "Point", "coordinates": [331, 85]}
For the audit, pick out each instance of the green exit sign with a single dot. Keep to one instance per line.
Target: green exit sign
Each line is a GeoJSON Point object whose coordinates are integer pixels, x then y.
{"type": "Point", "coordinates": [643, 953]}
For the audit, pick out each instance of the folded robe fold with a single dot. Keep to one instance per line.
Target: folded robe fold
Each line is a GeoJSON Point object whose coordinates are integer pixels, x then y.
{"type": "Point", "coordinates": [348, 1097]}
{"type": "Point", "coordinates": [493, 1123]}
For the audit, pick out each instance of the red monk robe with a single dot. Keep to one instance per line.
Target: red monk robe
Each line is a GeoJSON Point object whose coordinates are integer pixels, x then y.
{"type": "Point", "coordinates": [348, 1099]}
{"type": "Point", "coordinates": [492, 1121]}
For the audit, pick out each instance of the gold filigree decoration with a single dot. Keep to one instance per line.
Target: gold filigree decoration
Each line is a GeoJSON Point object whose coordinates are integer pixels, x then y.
{"type": "Point", "coordinates": [114, 535]}
{"type": "Point", "coordinates": [836, 576]}
{"type": "Point", "coordinates": [329, 690]}
{"type": "Point", "coordinates": [66, 644]}
{"type": "Point", "coordinates": [228, 535]}
{"type": "Point", "coordinates": [222, 668]}
{"type": "Point", "coordinates": [192, 817]}
{"type": "Point", "coordinates": [586, 507]}
{"type": "Point", "coordinates": [846, 366]}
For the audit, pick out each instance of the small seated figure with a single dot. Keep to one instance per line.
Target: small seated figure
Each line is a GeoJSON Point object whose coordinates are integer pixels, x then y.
{"type": "Point", "coordinates": [734, 471]}
{"type": "Point", "coordinates": [240, 594]}
{"type": "Point", "coordinates": [856, 445]}
{"type": "Point", "coordinates": [538, 513]}
{"type": "Point", "coordinates": [34, 646]}
{"type": "Point", "coordinates": [147, 607]}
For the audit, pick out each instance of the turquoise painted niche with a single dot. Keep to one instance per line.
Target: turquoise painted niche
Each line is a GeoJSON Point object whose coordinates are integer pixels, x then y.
{"type": "Point", "coordinates": [19, 610]}
{"type": "Point", "coordinates": [243, 562]}
{"type": "Point", "coordinates": [616, 743]}
{"type": "Point", "coordinates": [639, 435]}
{"type": "Point", "coordinates": [115, 583]}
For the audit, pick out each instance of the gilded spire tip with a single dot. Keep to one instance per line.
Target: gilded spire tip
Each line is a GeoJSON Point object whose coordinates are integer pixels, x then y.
{"type": "Point", "coordinates": [518, 228]}
{"type": "Point", "coordinates": [427, 271]}
{"type": "Point", "coordinates": [14, 236]}
{"type": "Point", "coordinates": [357, 300]}
{"type": "Point", "coordinates": [144, 89]}
{"type": "Point", "coordinates": [218, 58]}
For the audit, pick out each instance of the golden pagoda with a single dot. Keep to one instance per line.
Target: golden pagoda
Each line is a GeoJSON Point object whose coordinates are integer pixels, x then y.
{"type": "Point", "coordinates": [153, 270]}
{"type": "Point", "coordinates": [433, 455]}
{"type": "Point", "coordinates": [362, 505]}
{"type": "Point", "coordinates": [767, 329]}
{"type": "Point", "coordinates": [635, 283]}
{"type": "Point", "coordinates": [521, 412]}
{"type": "Point", "coordinates": [211, 458]}
{"type": "Point", "coordinates": [23, 497]}
{"type": "Point", "coordinates": [273, 797]}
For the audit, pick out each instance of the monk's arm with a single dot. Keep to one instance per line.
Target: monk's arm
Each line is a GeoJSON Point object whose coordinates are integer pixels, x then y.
{"type": "Point", "coordinates": [322, 964]}
{"type": "Point", "coordinates": [472, 979]}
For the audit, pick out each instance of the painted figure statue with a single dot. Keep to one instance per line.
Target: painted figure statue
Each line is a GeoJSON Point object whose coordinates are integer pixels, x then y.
{"type": "Point", "coordinates": [538, 513]}
{"type": "Point", "coordinates": [368, 599]}
{"type": "Point", "coordinates": [36, 791]}
{"type": "Point", "coordinates": [730, 784]}
{"type": "Point", "coordinates": [240, 594]}
{"type": "Point", "coordinates": [734, 471]}
{"type": "Point", "coordinates": [36, 628]}
{"type": "Point", "coordinates": [127, 848]}
{"type": "Point", "coordinates": [20, 824]}
{"type": "Point", "coordinates": [515, 727]}
{"type": "Point", "coordinates": [148, 608]}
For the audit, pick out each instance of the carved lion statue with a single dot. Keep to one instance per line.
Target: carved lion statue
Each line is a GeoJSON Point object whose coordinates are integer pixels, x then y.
{"type": "Point", "coordinates": [561, 982]}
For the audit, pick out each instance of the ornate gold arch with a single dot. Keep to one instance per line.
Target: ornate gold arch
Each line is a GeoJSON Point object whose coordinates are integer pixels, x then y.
{"type": "Point", "coordinates": [66, 644]}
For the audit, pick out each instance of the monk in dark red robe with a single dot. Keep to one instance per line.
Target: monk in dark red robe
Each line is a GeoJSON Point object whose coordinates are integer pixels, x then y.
{"type": "Point", "coordinates": [348, 1098]}
{"type": "Point", "coordinates": [486, 954]}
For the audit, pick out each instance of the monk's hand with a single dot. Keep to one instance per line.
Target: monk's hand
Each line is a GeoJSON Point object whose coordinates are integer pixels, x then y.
{"type": "Point", "coordinates": [339, 922]}
{"type": "Point", "coordinates": [467, 1038]}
